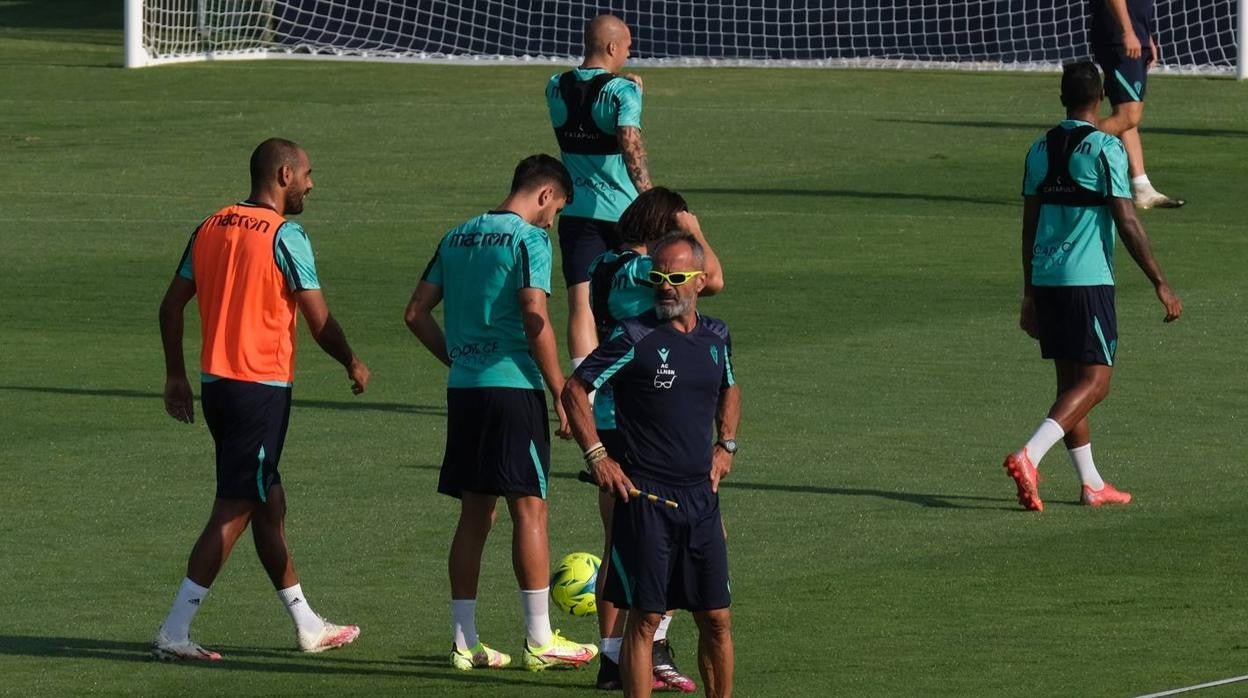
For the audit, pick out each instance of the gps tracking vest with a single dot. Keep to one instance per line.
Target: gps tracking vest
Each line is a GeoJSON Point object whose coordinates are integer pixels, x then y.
{"type": "Point", "coordinates": [579, 134]}
{"type": "Point", "coordinates": [247, 315]}
{"type": "Point", "coordinates": [601, 284]}
{"type": "Point", "coordinates": [1059, 188]}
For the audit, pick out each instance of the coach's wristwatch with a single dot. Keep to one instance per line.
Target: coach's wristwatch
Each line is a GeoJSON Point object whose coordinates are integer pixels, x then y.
{"type": "Point", "coordinates": [729, 445]}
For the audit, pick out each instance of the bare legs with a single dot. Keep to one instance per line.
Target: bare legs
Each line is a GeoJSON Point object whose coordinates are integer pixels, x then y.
{"type": "Point", "coordinates": [530, 552]}
{"type": "Point", "coordinates": [1080, 387]}
{"type": "Point", "coordinates": [226, 524]}
{"type": "Point", "coordinates": [1124, 122]}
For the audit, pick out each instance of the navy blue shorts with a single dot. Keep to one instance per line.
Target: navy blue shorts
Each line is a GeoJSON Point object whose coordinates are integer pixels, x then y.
{"type": "Point", "coordinates": [497, 442]}
{"type": "Point", "coordinates": [664, 558]}
{"type": "Point", "coordinates": [581, 240]}
{"type": "Point", "coordinates": [248, 423]}
{"type": "Point", "coordinates": [1077, 323]}
{"type": "Point", "coordinates": [1126, 79]}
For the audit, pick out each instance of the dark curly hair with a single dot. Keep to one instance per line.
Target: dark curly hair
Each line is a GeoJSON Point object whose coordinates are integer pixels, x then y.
{"type": "Point", "coordinates": [651, 216]}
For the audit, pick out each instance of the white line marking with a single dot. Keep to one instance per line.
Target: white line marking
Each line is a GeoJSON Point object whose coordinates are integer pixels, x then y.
{"type": "Point", "coordinates": [1197, 687]}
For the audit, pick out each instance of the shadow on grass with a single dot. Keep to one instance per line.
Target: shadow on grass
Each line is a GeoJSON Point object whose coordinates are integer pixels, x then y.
{"type": "Point", "coordinates": [1039, 128]}
{"type": "Point", "coordinates": [853, 194]}
{"type": "Point", "coordinates": [934, 501]}
{"type": "Point", "coordinates": [347, 406]}
{"type": "Point", "coordinates": [269, 660]}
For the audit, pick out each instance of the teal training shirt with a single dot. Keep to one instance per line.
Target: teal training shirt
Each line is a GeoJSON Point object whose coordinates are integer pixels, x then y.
{"type": "Point", "coordinates": [1075, 244]}
{"type": "Point", "coordinates": [481, 266]}
{"type": "Point", "coordinates": [602, 188]}
{"type": "Point", "coordinates": [631, 295]}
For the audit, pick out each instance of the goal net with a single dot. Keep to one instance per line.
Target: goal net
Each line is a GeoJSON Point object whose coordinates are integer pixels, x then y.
{"type": "Point", "coordinates": [1195, 36]}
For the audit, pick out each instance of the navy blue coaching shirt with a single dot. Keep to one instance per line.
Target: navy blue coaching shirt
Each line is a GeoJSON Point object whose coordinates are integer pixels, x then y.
{"type": "Point", "coordinates": [666, 385]}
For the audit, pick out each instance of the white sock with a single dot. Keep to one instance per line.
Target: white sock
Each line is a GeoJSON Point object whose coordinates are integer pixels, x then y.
{"type": "Point", "coordinates": [1141, 182]}
{"type": "Point", "coordinates": [536, 604]}
{"type": "Point", "coordinates": [306, 620]}
{"type": "Point", "coordinates": [1086, 467]}
{"type": "Point", "coordinates": [610, 647]}
{"type": "Point", "coordinates": [464, 619]}
{"type": "Point", "coordinates": [177, 626]}
{"type": "Point", "coordinates": [661, 633]}
{"type": "Point", "coordinates": [1049, 433]}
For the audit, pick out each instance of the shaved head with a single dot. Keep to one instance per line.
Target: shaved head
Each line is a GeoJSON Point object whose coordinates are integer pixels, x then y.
{"type": "Point", "coordinates": [269, 157]}
{"type": "Point", "coordinates": [281, 175]}
{"type": "Point", "coordinates": [603, 30]}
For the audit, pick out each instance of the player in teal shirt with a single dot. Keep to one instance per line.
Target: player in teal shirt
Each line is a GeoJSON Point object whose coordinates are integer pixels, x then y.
{"type": "Point", "coordinates": [481, 265]}
{"type": "Point", "coordinates": [600, 177]}
{"type": "Point", "coordinates": [596, 115]}
{"type": "Point", "coordinates": [1075, 242]}
{"type": "Point", "coordinates": [620, 289]}
{"type": "Point", "coordinates": [1075, 196]}
{"type": "Point", "coordinates": [493, 272]}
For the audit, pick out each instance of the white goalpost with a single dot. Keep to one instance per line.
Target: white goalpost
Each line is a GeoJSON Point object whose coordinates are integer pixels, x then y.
{"type": "Point", "coordinates": [1199, 36]}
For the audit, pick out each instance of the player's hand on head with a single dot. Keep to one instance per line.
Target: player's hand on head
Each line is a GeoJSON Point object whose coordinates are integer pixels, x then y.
{"type": "Point", "coordinates": [359, 375]}
{"type": "Point", "coordinates": [687, 222]}
{"type": "Point", "coordinates": [179, 401]}
{"type": "Point", "coordinates": [1173, 304]}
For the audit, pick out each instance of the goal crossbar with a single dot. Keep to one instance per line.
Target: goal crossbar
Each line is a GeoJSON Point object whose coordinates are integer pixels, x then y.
{"type": "Point", "coordinates": [1196, 36]}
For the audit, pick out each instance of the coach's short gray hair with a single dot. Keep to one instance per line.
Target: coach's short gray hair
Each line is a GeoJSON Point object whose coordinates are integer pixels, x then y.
{"type": "Point", "coordinates": [699, 253]}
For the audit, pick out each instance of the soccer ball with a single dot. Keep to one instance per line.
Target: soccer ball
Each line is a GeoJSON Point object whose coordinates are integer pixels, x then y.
{"type": "Point", "coordinates": [573, 584]}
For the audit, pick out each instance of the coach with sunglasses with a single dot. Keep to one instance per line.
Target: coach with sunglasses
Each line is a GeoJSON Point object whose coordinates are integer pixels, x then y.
{"type": "Point", "coordinates": [677, 408]}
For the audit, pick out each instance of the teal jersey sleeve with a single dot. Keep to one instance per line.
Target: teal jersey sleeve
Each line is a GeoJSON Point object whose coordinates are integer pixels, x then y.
{"type": "Point", "coordinates": [554, 103]}
{"type": "Point", "coordinates": [293, 251]}
{"type": "Point", "coordinates": [185, 270]}
{"type": "Point", "coordinates": [433, 270]}
{"type": "Point", "coordinates": [730, 379]}
{"type": "Point", "coordinates": [1035, 167]}
{"type": "Point", "coordinates": [632, 293]}
{"type": "Point", "coordinates": [628, 96]}
{"type": "Point", "coordinates": [533, 259]}
{"type": "Point", "coordinates": [1114, 160]}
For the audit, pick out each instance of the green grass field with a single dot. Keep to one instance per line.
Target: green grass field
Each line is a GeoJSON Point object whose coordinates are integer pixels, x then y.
{"type": "Point", "coordinates": [868, 223]}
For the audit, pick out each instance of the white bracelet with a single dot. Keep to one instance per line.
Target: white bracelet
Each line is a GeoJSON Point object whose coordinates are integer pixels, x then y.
{"type": "Point", "coordinates": [593, 448]}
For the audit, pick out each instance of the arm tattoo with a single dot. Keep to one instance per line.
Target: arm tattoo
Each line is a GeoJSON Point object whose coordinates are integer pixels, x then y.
{"type": "Point", "coordinates": [634, 152]}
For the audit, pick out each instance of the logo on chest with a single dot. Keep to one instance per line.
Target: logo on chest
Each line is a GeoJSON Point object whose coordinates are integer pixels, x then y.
{"type": "Point", "coordinates": [664, 375]}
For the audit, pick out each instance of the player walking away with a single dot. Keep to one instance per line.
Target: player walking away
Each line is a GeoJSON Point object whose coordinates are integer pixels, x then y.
{"type": "Point", "coordinates": [494, 274]}
{"type": "Point", "coordinates": [250, 268]}
{"type": "Point", "coordinates": [620, 288]}
{"type": "Point", "coordinates": [597, 119]}
{"type": "Point", "coordinates": [1123, 43]}
{"type": "Point", "coordinates": [671, 375]}
{"type": "Point", "coordinates": [1075, 192]}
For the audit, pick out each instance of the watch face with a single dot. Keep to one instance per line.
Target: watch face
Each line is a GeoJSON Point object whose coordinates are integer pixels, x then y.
{"type": "Point", "coordinates": [730, 445]}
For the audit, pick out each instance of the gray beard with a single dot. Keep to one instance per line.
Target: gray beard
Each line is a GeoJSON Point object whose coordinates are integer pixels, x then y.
{"type": "Point", "coordinates": [667, 312]}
